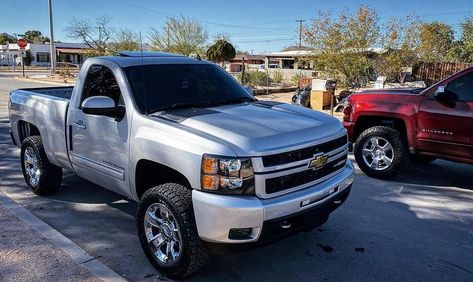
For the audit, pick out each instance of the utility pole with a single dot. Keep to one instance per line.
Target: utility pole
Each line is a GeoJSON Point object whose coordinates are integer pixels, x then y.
{"type": "Point", "coordinates": [51, 43]}
{"type": "Point", "coordinates": [300, 32]}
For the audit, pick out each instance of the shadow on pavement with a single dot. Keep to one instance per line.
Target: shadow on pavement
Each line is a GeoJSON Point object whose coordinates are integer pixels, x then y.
{"type": "Point", "coordinates": [437, 173]}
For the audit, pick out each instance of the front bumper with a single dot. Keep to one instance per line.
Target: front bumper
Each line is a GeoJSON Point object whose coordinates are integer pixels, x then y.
{"type": "Point", "coordinates": [217, 214]}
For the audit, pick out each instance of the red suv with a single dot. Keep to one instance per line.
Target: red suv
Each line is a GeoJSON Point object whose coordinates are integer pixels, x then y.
{"type": "Point", "coordinates": [390, 125]}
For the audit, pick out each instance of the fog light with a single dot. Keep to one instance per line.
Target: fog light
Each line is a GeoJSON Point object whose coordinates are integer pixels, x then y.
{"type": "Point", "coordinates": [240, 233]}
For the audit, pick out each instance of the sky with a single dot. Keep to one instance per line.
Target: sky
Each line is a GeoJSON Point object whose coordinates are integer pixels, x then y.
{"type": "Point", "coordinates": [254, 26]}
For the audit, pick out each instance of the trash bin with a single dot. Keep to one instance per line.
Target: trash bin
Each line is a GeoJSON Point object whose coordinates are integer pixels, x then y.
{"type": "Point", "coordinates": [321, 93]}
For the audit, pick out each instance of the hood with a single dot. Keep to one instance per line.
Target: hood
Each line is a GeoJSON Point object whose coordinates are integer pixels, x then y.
{"type": "Point", "coordinates": [399, 91]}
{"type": "Point", "coordinates": [260, 128]}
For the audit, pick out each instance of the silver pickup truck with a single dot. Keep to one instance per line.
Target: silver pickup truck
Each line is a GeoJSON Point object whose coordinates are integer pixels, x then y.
{"type": "Point", "coordinates": [209, 164]}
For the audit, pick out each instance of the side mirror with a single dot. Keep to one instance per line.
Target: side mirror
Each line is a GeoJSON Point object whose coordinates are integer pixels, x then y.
{"type": "Point", "coordinates": [102, 105]}
{"type": "Point", "coordinates": [248, 89]}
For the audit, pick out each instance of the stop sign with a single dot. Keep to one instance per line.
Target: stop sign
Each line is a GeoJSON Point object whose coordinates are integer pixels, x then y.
{"type": "Point", "coordinates": [22, 43]}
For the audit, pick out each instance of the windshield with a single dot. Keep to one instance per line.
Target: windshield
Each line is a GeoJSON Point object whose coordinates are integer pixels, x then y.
{"type": "Point", "coordinates": [171, 86]}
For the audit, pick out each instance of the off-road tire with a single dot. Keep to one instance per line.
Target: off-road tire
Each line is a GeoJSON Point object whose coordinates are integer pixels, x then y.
{"type": "Point", "coordinates": [50, 175]}
{"type": "Point", "coordinates": [178, 199]}
{"type": "Point", "coordinates": [392, 136]}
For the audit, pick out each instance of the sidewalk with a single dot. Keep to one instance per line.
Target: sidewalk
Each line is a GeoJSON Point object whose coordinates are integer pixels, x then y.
{"type": "Point", "coordinates": [26, 255]}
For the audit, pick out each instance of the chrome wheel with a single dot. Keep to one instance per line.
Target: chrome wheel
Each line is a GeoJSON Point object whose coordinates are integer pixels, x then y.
{"type": "Point", "coordinates": [32, 166]}
{"type": "Point", "coordinates": [378, 153]}
{"type": "Point", "coordinates": [163, 235]}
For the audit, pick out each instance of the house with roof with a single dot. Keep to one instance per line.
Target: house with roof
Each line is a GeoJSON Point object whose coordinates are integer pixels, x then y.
{"type": "Point", "coordinates": [72, 53]}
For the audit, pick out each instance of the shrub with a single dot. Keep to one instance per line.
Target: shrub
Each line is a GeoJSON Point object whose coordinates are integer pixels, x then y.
{"type": "Point", "coordinates": [258, 78]}
{"type": "Point", "coordinates": [278, 76]}
{"type": "Point", "coordinates": [296, 78]}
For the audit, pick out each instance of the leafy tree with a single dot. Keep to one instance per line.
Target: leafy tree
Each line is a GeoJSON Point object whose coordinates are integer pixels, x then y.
{"type": "Point", "coordinates": [221, 51]}
{"type": "Point", "coordinates": [342, 46]}
{"type": "Point", "coordinates": [462, 50]}
{"type": "Point", "coordinates": [126, 40]}
{"type": "Point", "coordinates": [95, 35]}
{"type": "Point", "coordinates": [467, 39]}
{"type": "Point", "coordinates": [180, 35]}
{"type": "Point", "coordinates": [5, 37]}
{"type": "Point", "coordinates": [35, 36]}
{"type": "Point", "coordinates": [436, 40]}
{"type": "Point", "coordinates": [400, 42]}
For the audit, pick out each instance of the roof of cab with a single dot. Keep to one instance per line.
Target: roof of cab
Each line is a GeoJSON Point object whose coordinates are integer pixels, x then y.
{"type": "Point", "coordinates": [126, 59]}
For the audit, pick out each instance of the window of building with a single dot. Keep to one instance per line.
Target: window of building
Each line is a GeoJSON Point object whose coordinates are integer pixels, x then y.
{"type": "Point", "coordinates": [42, 57]}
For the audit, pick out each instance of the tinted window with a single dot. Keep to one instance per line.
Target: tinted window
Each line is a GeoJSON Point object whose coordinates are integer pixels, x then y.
{"type": "Point", "coordinates": [462, 88]}
{"type": "Point", "coordinates": [162, 87]}
{"type": "Point", "coordinates": [100, 81]}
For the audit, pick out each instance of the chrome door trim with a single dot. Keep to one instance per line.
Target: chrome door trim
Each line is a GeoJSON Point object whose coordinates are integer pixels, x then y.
{"type": "Point", "coordinates": [102, 167]}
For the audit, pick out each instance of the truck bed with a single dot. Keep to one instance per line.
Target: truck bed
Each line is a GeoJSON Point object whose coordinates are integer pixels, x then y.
{"type": "Point", "coordinates": [45, 109]}
{"type": "Point", "coordinates": [64, 92]}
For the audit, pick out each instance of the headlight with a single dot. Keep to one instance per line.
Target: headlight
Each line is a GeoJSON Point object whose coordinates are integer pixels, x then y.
{"type": "Point", "coordinates": [227, 175]}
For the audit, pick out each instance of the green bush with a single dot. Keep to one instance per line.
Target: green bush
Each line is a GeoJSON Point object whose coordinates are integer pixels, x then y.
{"type": "Point", "coordinates": [296, 78]}
{"type": "Point", "coordinates": [278, 76]}
{"type": "Point", "coordinates": [256, 78]}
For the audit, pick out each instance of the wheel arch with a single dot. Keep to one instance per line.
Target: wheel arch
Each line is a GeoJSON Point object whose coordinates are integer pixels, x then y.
{"type": "Point", "coordinates": [26, 129]}
{"type": "Point", "coordinates": [367, 121]}
{"type": "Point", "coordinates": [150, 173]}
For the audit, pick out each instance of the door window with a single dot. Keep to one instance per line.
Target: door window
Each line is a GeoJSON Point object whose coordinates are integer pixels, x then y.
{"type": "Point", "coordinates": [462, 88]}
{"type": "Point", "coordinates": [100, 81]}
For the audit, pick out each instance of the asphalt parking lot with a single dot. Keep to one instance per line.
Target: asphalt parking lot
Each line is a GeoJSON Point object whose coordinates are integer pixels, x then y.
{"type": "Point", "coordinates": [417, 226]}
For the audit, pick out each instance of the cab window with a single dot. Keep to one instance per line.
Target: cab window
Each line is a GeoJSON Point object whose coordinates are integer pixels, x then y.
{"type": "Point", "coordinates": [461, 88]}
{"type": "Point", "coordinates": [100, 81]}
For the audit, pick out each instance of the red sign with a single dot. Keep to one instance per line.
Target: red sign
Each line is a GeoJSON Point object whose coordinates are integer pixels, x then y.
{"type": "Point", "coordinates": [22, 43]}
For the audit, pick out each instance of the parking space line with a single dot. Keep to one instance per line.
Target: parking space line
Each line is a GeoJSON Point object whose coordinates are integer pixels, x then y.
{"type": "Point", "coordinates": [92, 264]}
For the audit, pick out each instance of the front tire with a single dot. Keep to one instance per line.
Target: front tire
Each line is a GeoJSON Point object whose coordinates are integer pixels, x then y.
{"type": "Point", "coordinates": [379, 151]}
{"type": "Point", "coordinates": [167, 231]}
{"type": "Point", "coordinates": [41, 176]}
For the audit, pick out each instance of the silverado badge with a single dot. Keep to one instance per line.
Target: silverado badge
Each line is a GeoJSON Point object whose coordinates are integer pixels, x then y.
{"type": "Point", "coordinates": [318, 162]}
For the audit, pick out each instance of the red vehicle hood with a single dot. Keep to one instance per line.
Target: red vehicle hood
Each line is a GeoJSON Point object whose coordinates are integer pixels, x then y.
{"type": "Point", "coordinates": [401, 91]}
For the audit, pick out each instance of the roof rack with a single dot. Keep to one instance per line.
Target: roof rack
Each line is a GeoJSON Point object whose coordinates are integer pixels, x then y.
{"type": "Point", "coordinates": [147, 54]}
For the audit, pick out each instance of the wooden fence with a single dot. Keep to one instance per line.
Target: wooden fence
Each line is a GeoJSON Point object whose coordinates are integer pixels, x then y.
{"type": "Point", "coordinates": [434, 72]}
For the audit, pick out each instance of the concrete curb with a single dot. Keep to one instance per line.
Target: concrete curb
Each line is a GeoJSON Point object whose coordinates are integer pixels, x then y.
{"type": "Point", "coordinates": [96, 267]}
{"type": "Point", "coordinates": [45, 81]}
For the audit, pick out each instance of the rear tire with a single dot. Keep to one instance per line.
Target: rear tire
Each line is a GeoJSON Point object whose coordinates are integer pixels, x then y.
{"type": "Point", "coordinates": [188, 253]}
{"type": "Point", "coordinates": [41, 176]}
{"type": "Point", "coordinates": [379, 151]}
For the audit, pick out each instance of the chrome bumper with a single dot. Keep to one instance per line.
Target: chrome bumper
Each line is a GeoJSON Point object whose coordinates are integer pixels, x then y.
{"type": "Point", "coordinates": [216, 214]}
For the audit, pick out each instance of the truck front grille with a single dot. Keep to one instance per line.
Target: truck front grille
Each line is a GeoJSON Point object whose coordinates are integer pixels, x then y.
{"type": "Point", "coordinates": [281, 183]}
{"type": "Point", "coordinates": [304, 153]}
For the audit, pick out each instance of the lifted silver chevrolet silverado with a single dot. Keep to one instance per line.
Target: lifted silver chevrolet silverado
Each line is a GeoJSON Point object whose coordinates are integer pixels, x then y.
{"type": "Point", "coordinates": [209, 164]}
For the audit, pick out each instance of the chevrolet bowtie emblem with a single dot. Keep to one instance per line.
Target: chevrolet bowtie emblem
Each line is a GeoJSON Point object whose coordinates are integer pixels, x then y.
{"type": "Point", "coordinates": [318, 162]}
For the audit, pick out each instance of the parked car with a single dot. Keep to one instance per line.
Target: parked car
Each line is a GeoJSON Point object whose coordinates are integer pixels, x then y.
{"type": "Point", "coordinates": [209, 164]}
{"type": "Point", "coordinates": [262, 67]}
{"type": "Point", "coordinates": [301, 96]}
{"type": "Point", "coordinates": [390, 125]}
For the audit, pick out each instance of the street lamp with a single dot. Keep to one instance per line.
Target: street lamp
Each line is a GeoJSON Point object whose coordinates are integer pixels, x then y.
{"type": "Point", "coordinates": [51, 43]}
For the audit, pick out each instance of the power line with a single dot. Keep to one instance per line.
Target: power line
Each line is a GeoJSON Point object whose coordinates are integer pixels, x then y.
{"type": "Point", "coordinates": [203, 21]}
{"type": "Point", "coordinates": [267, 40]}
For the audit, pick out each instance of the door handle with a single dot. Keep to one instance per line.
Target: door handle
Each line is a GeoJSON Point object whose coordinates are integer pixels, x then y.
{"type": "Point", "coordinates": [79, 125]}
